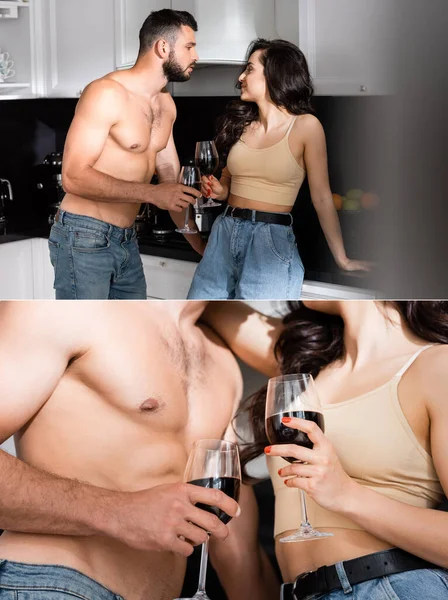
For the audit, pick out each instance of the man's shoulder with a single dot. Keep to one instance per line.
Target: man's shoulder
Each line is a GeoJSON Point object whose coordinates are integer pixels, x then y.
{"type": "Point", "coordinates": [105, 89]}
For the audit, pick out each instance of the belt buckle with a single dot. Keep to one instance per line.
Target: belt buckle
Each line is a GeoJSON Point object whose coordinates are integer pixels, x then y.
{"type": "Point", "coordinates": [299, 578]}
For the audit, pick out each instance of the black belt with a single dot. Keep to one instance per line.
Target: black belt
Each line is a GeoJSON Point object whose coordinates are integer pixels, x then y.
{"type": "Point", "coordinates": [258, 215]}
{"type": "Point", "coordinates": [380, 564]}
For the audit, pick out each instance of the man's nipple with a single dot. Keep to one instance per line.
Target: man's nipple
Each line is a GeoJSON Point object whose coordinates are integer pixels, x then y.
{"type": "Point", "coordinates": [150, 405]}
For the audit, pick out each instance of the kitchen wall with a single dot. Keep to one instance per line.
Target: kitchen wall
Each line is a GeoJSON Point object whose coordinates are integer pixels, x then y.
{"type": "Point", "coordinates": [30, 129]}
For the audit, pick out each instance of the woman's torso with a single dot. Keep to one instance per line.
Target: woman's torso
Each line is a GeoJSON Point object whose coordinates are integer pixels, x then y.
{"type": "Point", "coordinates": [382, 439]}
{"type": "Point", "coordinates": [270, 161]}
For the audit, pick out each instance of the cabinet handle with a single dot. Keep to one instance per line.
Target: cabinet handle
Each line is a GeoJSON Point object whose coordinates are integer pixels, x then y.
{"type": "Point", "coordinates": [363, 88]}
{"type": "Point", "coordinates": [162, 263]}
{"type": "Point", "coordinates": [79, 93]}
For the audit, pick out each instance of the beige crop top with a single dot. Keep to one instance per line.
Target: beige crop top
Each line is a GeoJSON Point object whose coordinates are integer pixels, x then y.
{"type": "Point", "coordinates": [269, 175]}
{"type": "Point", "coordinates": [376, 447]}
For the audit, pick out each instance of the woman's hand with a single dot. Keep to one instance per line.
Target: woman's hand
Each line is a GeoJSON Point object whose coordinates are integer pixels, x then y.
{"type": "Point", "coordinates": [211, 188]}
{"type": "Point", "coordinates": [323, 477]}
{"type": "Point", "coordinates": [354, 265]}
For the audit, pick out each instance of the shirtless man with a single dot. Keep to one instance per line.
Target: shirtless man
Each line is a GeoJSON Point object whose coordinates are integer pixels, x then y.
{"type": "Point", "coordinates": [121, 133]}
{"type": "Point", "coordinates": [105, 401]}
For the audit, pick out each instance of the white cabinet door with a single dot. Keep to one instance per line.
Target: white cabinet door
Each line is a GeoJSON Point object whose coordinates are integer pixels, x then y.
{"type": "Point", "coordinates": [167, 279]}
{"type": "Point", "coordinates": [16, 271]}
{"type": "Point", "coordinates": [348, 44]}
{"type": "Point", "coordinates": [129, 17]}
{"type": "Point", "coordinates": [79, 38]}
{"type": "Point", "coordinates": [43, 272]}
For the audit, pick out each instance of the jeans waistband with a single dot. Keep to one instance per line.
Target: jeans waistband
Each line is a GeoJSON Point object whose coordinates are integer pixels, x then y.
{"type": "Point", "coordinates": [22, 576]}
{"type": "Point", "coordinates": [65, 218]}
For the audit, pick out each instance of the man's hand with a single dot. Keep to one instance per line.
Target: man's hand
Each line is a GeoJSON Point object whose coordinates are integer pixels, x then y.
{"type": "Point", "coordinates": [172, 196]}
{"type": "Point", "coordinates": [165, 518]}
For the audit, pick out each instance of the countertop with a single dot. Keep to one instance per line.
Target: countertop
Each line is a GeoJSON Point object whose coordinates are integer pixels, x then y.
{"type": "Point", "coordinates": [179, 249]}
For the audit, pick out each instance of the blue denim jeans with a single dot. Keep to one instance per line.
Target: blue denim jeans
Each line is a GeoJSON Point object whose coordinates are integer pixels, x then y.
{"type": "Point", "coordinates": [19, 581]}
{"type": "Point", "coordinates": [94, 260]}
{"type": "Point", "coordinates": [248, 260]}
{"type": "Point", "coordinates": [422, 584]}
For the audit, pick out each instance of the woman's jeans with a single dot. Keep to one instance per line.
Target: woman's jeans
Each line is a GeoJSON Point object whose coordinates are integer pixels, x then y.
{"type": "Point", "coordinates": [19, 581]}
{"type": "Point", "coordinates": [421, 584]}
{"type": "Point", "coordinates": [248, 260]}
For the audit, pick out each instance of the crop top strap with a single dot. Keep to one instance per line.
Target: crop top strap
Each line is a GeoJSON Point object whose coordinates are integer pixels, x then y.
{"type": "Point", "coordinates": [403, 369]}
{"type": "Point", "coordinates": [291, 126]}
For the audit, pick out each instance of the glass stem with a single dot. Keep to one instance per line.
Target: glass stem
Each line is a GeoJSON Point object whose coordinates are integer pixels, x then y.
{"type": "Point", "coordinates": [187, 216]}
{"type": "Point", "coordinates": [203, 569]}
{"type": "Point", "coordinates": [305, 522]}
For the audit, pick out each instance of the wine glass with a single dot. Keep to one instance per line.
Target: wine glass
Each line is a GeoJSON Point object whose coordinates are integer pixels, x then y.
{"type": "Point", "coordinates": [213, 464]}
{"type": "Point", "coordinates": [294, 396]}
{"type": "Point", "coordinates": [190, 176]}
{"type": "Point", "coordinates": [207, 159]}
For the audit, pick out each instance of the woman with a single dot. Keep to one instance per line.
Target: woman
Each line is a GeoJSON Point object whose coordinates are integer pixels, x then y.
{"type": "Point", "coordinates": [375, 476]}
{"type": "Point", "coordinates": [270, 141]}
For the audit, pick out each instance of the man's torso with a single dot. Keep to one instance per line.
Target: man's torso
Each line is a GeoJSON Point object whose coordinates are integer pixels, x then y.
{"type": "Point", "coordinates": [129, 153]}
{"type": "Point", "coordinates": [124, 417]}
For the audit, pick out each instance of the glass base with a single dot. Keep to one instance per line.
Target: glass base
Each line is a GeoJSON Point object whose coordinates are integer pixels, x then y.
{"type": "Point", "coordinates": [197, 596]}
{"type": "Point", "coordinates": [305, 533]}
{"type": "Point", "coordinates": [187, 231]}
{"type": "Point", "coordinates": [210, 203]}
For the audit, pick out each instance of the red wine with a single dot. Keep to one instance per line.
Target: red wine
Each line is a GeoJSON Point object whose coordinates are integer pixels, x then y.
{"type": "Point", "coordinates": [228, 485]}
{"type": "Point", "coordinates": [207, 167]}
{"type": "Point", "coordinates": [196, 186]}
{"type": "Point", "coordinates": [279, 433]}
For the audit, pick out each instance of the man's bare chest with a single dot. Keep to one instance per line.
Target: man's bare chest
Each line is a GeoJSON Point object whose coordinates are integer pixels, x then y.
{"type": "Point", "coordinates": [141, 129]}
{"type": "Point", "coordinates": [165, 381]}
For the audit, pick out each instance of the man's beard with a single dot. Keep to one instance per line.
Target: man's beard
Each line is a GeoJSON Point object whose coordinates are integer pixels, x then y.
{"type": "Point", "coordinates": [173, 71]}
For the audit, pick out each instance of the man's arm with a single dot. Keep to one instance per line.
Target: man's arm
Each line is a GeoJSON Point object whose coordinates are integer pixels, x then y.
{"type": "Point", "coordinates": [37, 340]}
{"type": "Point", "coordinates": [242, 565]}
{"type": "Point", "coordinates": [100, 107]}
{"type": "Point", "coordinates": [248, 333]}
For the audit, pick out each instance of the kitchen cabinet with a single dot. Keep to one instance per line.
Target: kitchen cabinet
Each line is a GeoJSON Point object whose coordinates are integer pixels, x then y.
{"type": "Point", "coordinates": [16, 271]}
{"type": "Point", "coordinates": [348, 45]}
{"type": "Point", "coordinates": [129, 17]}
{"type": "Point", "coordinates": [18, 22]}
{"type": "Point", "coordinates": [168, 279]}
{"type": "Point", "coordinates": [78, 44]}
{"type": "Point", "coordinates": [25, 270]}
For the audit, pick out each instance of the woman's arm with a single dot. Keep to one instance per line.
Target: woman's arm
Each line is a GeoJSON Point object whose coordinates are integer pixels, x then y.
{"type": "Point", "coordinates": [315, 157]}
{"type": "Point", "coordinates": [421, 531]}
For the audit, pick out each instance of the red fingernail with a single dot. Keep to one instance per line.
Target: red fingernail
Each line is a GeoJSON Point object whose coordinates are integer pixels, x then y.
{"type": "Point", "coordinates": [279, 471]}
{"type": "Point", "coordinates": [286, 419]}
{"type": "Point", "coordinates": [267, 449]}
{"type": "Point", "coordinates": [286, 482]}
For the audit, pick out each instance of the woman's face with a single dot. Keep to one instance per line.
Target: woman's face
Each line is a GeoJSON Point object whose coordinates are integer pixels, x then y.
{"type": "Point", "coordinates": [253, 81]}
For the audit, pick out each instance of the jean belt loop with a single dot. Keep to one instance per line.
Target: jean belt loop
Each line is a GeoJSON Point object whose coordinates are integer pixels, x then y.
{"type": "Point", "coordinates": [347, 588]}
{"type": "Point", "coordinates": [254, 215]}
{"type": "Point", "coordinates": [61, 216]}
{"type": "Point", "coordinates": [292, 220]}
{"type": "Point", "coordinates": [109, 232]}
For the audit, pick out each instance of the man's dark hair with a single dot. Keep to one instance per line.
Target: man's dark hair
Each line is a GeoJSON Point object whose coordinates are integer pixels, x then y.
{"type": "Point", "coordinates": [165, 24]}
